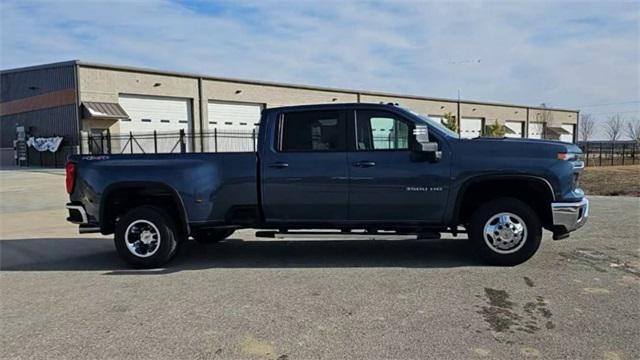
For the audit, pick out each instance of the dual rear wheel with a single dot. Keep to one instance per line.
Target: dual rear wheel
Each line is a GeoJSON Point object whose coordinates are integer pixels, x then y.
{"type": "Point", "coordinates": [146, 237]}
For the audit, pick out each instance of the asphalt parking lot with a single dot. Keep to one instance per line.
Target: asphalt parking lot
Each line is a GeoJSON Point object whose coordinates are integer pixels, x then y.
{"type": "Point", "coordinates": [65, 295]}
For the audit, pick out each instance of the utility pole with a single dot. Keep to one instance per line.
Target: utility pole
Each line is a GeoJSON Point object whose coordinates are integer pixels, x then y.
{"type": "Point", "coordinates": [458, 120]}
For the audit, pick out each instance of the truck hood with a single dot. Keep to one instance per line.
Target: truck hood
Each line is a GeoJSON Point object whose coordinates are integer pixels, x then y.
{"type": "Point", "coordinates": [484, 149]}
{"type": "Point", "coordinates": [532, 143]}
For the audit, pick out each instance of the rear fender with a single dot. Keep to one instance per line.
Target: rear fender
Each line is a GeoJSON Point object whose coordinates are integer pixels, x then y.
{"type": "Point", "coordinates": [105, 226]}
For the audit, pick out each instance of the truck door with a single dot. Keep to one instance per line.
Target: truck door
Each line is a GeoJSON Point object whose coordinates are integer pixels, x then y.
{"type": "Point", "coordinates": [304, 172]}
{"type": "Point", "coordinates": [387, 184]}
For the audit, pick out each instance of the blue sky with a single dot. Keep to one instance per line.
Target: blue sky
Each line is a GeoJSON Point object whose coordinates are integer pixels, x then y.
{"type": "Point", "coordinates": [567, 53]}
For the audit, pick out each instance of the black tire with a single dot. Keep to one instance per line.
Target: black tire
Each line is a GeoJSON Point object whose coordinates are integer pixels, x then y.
{"type": "Point", "coordinates": [150, 219]}
{"type": "Point", "coordinates": [519, 251]}
{"type": "Point", "coordinates": [212, 236]}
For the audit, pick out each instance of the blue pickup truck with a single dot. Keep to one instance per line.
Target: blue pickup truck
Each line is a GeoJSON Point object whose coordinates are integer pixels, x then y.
{"type": "Point", "coordinates": [346, 167]}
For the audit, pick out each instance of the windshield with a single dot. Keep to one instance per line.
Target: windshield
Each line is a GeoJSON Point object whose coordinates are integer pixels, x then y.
{"type": "Point", "coordinates": [435, 123]}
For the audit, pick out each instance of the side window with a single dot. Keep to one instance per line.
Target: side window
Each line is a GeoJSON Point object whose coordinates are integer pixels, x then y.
{"type": "Point", "coordinates": [376, 130]}
{"type": "Point", "coordinates": [312, 131]}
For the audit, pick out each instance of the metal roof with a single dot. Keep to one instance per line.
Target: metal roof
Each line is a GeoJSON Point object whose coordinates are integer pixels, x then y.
{"type": "Point", "coordinates": [268, 83]}
{"type": "Point", "coordinates": [103, 110]}
{"type": "Point", "coordinates": [558, 130]}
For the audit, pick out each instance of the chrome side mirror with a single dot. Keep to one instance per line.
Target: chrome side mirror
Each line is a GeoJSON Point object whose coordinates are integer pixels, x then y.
{"type": "Point", "coordinates": [426, 147]}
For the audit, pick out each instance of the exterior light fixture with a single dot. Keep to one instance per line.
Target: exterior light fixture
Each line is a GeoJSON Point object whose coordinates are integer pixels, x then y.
{"type": "Point", "coordinates": [156, 84]}
{"type": "Point", "coordinates": [238, 91]}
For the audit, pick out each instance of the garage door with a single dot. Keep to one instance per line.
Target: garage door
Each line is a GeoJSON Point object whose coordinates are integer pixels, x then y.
{"type": "Point", "coordinates": [155, 113]}
{"type": "Point", "coordinates": [165, 115]}
{"type": "Point", "coordinates": [567, 137]}
{"type": "Point", "coordinates": [536, 130]}
{"type": "Point", "coordinates": [516, 126]}
{"type": "Point", "coordinates": [234, 124]}
{"type": "Point", "coordinates": [470, 127]}
{"type": "Point", "coordinates": [233, 116]}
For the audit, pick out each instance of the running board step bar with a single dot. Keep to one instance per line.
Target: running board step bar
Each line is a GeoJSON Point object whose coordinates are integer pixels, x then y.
{"type": "Point", "coordinates": [272, 234]}
{"type": "Point", "coordinates": [88, 229]}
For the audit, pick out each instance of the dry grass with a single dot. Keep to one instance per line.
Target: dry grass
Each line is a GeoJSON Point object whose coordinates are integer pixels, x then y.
{"type": "Point", "coordinates": [611, 180]}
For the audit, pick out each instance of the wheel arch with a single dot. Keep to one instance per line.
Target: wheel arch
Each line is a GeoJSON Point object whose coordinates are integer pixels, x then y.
{"type": "Point", "coordinates": [129, 194]}
{"type": "Point", "coordinates": [533, 190]}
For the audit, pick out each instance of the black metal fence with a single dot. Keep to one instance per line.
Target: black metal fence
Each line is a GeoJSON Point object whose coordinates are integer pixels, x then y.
{"type": "Point", "coordinates": [607, 153]}
{"type": "Point", "coordinates": [169, 142]}
{"type": "Point", "coordinates": [49, 159]}
{"type": "Point", "coordinates": [596, 153]}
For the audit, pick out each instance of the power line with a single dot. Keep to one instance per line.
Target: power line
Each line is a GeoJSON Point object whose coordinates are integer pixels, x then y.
{"type": "Point", "coordinates": [614, 112]}
{"type": "Point", "coordinates": [609, 104]}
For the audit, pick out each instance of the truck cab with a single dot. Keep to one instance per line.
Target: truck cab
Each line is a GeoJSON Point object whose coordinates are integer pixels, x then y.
{"type": "Point", "coordinates": [357, 165]}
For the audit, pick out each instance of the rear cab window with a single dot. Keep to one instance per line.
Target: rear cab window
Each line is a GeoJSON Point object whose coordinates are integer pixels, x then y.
{"type": "Point", "coordinates": [318, 131]}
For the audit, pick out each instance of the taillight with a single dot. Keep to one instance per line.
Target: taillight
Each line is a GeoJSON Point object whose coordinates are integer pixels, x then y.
{"type": "Point", "coordinates": [70, 169]}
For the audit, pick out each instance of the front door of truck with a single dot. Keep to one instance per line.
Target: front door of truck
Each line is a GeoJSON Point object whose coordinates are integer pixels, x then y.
{"type": "Point", "coordinates": [387, 184]}
{"type": "Point", "coordinates": [304, 173]}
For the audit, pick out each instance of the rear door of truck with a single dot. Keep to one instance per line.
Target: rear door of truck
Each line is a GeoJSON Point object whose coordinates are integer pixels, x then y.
{"type": "Point", "coordinates": [304, 171]}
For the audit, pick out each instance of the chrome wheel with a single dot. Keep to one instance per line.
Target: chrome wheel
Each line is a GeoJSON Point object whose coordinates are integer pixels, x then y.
{"type": "Point", "coordinates": [142, 238]}
{"type": "Point", "coordinates": [505, 233]}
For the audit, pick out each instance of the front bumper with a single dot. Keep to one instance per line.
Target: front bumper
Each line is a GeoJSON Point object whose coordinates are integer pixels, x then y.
{"type": "Point", "coordinates": [568, 217]}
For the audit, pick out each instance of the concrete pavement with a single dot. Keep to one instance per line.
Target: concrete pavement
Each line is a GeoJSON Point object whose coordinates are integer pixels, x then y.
{"type": "Point", "coordinates": [64, 295]}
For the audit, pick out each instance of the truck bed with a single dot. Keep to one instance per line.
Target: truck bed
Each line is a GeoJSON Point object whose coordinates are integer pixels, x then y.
{"type": "Point", "coordinates": [211, 186]}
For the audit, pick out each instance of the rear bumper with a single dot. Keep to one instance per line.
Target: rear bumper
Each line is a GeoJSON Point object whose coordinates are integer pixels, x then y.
{"type": "Point", "coordinates": [78, 215]}
{"type": "Point", "coordinates": [571, 216]}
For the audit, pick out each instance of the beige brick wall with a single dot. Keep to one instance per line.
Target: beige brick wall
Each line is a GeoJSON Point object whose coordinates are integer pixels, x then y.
{"type": "Point", "coordinates": [100, 84]}
{"type": "Point", "coordinates": [424, 107]}
{"type": "Point", "coordinates": [491, 113]}
{"type": "Point", "coordinates": [555, 117]}
{"type": "Point", "coordinates": [105, 85]}
{"type": "Point", "coordinates": [272, 96]}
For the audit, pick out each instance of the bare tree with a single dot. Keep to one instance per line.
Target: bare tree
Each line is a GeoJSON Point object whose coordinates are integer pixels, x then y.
{"type": "Point", "coordinates": [633, 129]}
{"type": "Point", "coordinates": [587, 127]}
{"type": "Point", "coordinates": [613, 127]}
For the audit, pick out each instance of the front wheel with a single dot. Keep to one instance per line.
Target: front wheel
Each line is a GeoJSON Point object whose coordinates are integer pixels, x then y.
{"type": "Point", "coordinates": [505, 231]}
{"type": "Point", "coordinates": [146, 237]}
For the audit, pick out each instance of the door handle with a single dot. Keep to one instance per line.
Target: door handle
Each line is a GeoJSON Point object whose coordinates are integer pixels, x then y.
{"type": "Point", "coordinates": [279, 165]}
{"type": "Point", "coordinates": [364, 163]}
